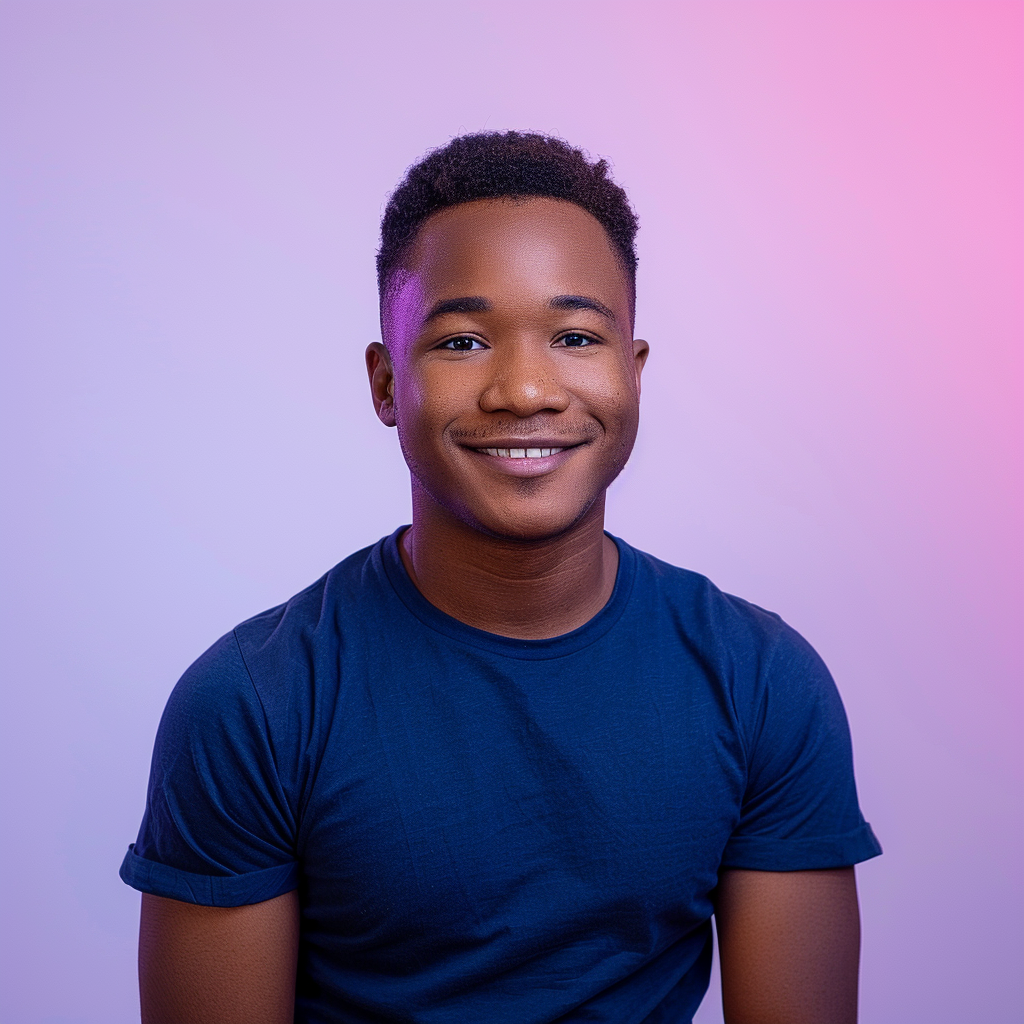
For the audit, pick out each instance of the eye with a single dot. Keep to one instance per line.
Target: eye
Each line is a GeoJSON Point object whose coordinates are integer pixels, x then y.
{"type": "Point", "coordinates": [576, 340]}
{"type": "Point", "coordinates": [463, 343]}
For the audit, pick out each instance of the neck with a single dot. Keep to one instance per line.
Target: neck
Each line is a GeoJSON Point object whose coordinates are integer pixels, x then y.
{"type": "Point", "coordinates": [529, 590]}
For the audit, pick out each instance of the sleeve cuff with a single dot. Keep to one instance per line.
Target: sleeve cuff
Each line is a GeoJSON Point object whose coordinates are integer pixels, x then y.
{"type": "Point", "coordinates": [764, 853]}
{"type": "Point", "coordinates": [207, 890]}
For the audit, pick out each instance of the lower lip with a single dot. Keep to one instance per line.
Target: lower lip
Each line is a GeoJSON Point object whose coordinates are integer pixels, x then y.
{"type": "Point", "coordinates": [526, 467]}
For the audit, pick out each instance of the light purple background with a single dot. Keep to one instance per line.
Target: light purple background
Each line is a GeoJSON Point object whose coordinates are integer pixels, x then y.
{"type": "Point", "coordinates": [830, 278]}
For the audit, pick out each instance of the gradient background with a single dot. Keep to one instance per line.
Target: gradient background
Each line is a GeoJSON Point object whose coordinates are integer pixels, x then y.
{"type": "Point", "coordinates": [830, 277]}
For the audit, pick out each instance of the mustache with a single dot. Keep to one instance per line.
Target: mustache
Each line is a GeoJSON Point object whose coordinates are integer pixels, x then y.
{"type": "Point", "coordinates": [573, 433]}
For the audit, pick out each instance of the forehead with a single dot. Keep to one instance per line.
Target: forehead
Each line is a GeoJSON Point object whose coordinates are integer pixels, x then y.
{"type": "Point", "coordinates": [510, 251]}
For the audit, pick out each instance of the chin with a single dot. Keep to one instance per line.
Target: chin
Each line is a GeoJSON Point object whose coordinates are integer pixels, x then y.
{"type": "Point", "coordinates": [527, 525]}
{"type": "Point", "coordinates": [523, 511]}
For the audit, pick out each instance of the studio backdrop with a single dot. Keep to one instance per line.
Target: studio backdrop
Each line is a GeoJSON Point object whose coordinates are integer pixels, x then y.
{"type": "Point", "coordinates": [830, 270]}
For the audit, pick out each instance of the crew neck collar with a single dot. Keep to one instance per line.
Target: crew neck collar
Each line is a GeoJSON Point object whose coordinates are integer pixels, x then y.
{"type": "Point", "coordinates": [530, 650]}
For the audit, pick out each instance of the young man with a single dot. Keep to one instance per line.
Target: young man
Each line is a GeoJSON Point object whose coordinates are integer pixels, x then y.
{"type": "Point", "coordinates": [501, 767]}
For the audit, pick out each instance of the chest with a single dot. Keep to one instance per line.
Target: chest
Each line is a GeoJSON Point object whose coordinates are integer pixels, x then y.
{"type": "Point", "coordinates": [473, 794]}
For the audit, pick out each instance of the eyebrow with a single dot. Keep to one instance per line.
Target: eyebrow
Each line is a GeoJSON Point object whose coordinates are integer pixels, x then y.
{"type": "Point", "coordinates": [465, 304]}
{"type": "Point", "coordinates": [478, 304]}
{"type": "Point", "coordinates": [582, 302]}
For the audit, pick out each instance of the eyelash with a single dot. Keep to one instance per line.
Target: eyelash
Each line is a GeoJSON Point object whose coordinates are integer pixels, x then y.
{"type": "Point", "coordinates": [448, 342]}
{"type": "Point", "coordinates": [579, 334]}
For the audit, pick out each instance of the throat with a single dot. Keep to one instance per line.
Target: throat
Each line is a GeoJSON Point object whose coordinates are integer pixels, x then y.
{"type": "Point", "coordinates": [528, 590]}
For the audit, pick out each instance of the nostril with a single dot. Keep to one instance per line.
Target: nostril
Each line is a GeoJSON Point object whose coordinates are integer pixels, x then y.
{"type": "Point", "coordinates": [524, 394]}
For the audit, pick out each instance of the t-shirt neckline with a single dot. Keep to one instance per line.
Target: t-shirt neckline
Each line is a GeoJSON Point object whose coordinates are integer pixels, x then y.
{"type": "Point", "coordinates": [532, 650]}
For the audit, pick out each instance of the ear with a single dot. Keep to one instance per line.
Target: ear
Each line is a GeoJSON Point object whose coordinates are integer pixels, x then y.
{"type": "Point", "coordinates": [641, 350]}
{"type": "Point", "coordinates": [382, 382]}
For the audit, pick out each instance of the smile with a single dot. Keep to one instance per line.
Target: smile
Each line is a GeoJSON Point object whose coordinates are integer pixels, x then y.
{"type": "Point", "coordinates": [521, 453]}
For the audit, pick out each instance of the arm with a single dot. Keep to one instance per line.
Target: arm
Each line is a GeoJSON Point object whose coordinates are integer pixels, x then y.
{"type": "Point", "coordinates": [218, 965]}
{"type": "Point", "coordinates": [790, 945]}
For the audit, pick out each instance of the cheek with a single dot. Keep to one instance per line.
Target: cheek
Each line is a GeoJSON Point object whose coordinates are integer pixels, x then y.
{"type": "Point", "coordinates": [609, 391]}
{"type": "Point", "coordinates": [427, 402]}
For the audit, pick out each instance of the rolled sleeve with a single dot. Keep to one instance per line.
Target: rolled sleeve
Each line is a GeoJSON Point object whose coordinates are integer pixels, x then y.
{"type": "Point", "coordinates": [219, 826]}
{"type": "Point", "coordinates": [158, 879]}
{"type": "Point", "coordinates": [763, 853]}
{"type": "Point", "coordinates": [800, 810]}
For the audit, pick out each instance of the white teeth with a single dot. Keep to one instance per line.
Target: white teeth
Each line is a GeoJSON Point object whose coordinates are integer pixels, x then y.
{"type": "Point", "coordinates": [522, 453]}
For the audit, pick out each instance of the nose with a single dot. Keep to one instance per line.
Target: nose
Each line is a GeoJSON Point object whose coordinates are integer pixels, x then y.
{"type": "Point", "coordinates": [523, 382]}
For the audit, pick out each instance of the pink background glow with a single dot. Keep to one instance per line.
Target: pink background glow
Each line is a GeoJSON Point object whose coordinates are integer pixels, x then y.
{"type": "Point", "coordinates": [830, 278]}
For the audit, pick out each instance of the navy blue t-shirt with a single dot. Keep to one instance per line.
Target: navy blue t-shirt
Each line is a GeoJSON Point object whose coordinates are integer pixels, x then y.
{"type": "Point", "coordinates": [490, 829]}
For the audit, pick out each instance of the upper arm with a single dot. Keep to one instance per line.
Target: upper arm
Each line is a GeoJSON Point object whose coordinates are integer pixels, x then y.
{"type": "Point", "coordinates": [231, 965]}
{"type": "Point", "coordinates": [789, 943]}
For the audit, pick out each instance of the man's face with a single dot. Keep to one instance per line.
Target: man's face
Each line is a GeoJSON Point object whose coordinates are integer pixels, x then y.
{"type": "Point", "coordinates": [516, 379]}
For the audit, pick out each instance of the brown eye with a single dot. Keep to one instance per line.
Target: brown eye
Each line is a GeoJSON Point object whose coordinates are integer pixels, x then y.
{"type": "Point", "coordinates": [575, 340]}
{"type": "Point", "coordinates": [461, 344]}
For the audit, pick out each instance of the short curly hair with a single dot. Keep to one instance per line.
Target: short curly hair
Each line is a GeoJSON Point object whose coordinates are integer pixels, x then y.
{"type": "Point", "coordinates": [512, 165]}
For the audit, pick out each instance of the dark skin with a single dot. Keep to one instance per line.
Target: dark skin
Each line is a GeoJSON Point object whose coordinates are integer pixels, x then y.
{"type": "Point", "coordinates": [509, 329]}
{"type": "Point", "coordinates": [509, 284]}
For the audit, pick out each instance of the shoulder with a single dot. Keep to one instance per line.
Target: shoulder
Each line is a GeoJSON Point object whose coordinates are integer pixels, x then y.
{"type": "Point", "coordinates": [213, 690]}
{"type": "Point", "coordinates": [312, 611]}
{"type": "Point", "coordinates": [282, 645]}
{"type": "Point", "coordinates": [734, 627]}
{"type": "Point", "coordinates": [757, 657]}
{"type": "Point", "coordinates": [257, 669]}
{"type": "Point", "coordinates": [252, 696]}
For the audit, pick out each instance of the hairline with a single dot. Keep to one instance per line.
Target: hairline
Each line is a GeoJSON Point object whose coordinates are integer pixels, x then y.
{"type": "Point", "coordinates": [384, 285]}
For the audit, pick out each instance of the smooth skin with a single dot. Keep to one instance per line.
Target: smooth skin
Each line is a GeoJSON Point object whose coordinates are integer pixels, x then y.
{"type": "Point", "coordinates": [509, 326]}
{"type": "Point", "coordinates": [218, 965]}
